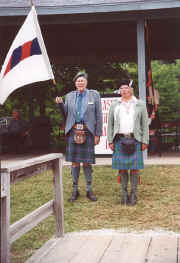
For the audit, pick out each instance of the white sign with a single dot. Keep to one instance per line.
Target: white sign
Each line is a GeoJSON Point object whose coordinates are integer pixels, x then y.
{"type": "Point", "coordinates": [103, 147]}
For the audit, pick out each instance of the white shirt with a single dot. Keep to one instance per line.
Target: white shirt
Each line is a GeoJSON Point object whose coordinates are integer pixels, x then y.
{"type": "Point", "coordinates": [125, 112]}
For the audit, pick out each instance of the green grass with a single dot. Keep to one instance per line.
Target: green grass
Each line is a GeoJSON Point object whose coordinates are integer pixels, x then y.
{"type": "Point", "coordinates": [158, 205]}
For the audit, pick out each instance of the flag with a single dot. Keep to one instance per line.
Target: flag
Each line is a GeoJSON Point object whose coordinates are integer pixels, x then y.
{"type": "Point", "coordinates": [27, 60]}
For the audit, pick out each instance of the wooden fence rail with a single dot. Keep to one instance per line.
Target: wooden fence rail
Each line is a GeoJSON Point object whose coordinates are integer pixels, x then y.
{"type": "Point", "coordinates": [21, 170]}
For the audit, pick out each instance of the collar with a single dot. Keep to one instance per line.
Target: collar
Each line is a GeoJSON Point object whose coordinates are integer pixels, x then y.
{"type": "Point", "coordinates": [81, 93]}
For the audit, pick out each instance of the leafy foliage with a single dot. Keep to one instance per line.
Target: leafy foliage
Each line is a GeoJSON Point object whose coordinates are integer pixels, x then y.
{"type": "Point", "coordinates": [166, 78]}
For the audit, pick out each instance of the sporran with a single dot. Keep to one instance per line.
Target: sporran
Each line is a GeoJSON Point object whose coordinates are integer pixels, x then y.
{"type": "Point", "coordinates": [79, 136]}
{"type": "Point", "coordinates": [128, 145]}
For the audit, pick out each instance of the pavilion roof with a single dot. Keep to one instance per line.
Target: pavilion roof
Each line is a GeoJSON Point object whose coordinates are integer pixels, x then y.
{"type": "Point", "coordinates": [26, 3]}
{"type": "Point", "coordinates": [45, 7]}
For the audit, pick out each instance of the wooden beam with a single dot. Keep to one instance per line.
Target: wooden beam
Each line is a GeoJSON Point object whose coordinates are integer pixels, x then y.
{"type": "Point", "coordinates": [5, 219]}
{"type": "Point", "coordinates": [25, 224]}
{"type": "Point", "coordinates": [141, 59]}
{"type": "Point", "coordinates": [22, 174]}
{"type": "Point", "coordinates": [141, 64]}
{"type": "Point", "coordinates": [17, 169]}
{"type": "Point", "coordinates": [14, 166]}
{"type": "Point", "coordinates": [13, 19]}
{"type": "Point", "coordinates": [58, 198]}
{"type": "Point", "coordinates": [94, 7]}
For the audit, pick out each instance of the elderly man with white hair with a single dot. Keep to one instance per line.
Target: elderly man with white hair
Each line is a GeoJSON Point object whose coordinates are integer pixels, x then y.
{"type": "Point", "coordinates": [128, 136]}
{"type": "Point", "coordinates": [83, 130]}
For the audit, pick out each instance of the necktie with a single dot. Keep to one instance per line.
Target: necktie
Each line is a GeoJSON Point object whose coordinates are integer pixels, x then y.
{"type": "Point", "coordinates": [79, 106]}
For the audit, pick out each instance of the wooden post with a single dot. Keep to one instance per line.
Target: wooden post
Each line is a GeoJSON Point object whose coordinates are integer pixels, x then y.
{"type": "Point", "coordinates": [141, 63]}
{"type": "Point", "coordinates": [5, 217]}
{"type": "Point", "coordinates": [141, 59]}
{"type": "Point", "coordinates": [58, 198]}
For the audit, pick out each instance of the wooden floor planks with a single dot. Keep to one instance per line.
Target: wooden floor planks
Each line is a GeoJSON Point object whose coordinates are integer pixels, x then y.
{"type": "Point", "coordinates": [113, 251]}
{"type": "Point", "coordinates": [65, 250]}
{"type": "Point", "coordinates": [163, 249]}
{"type": "Point", "coordinates": [126, 249]}
{"type": "Point", "coordinates": [93, 250]}
{"type": "Point", "coordinates": [111, 248]}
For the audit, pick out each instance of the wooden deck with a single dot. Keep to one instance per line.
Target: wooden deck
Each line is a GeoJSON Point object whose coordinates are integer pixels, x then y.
{"type": "Point", "coordinates": [103, 247]}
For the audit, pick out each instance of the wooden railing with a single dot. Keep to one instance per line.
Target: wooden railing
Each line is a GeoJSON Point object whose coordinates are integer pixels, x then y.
{"type": "Point", "coordinates": [20, 170]}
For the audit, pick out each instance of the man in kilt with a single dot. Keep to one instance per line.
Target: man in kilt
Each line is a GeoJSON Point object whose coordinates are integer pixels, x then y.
{"type": "Point", "coordinates": [83, 113]}
{"type": "Point", "coordinates": [128, 136]}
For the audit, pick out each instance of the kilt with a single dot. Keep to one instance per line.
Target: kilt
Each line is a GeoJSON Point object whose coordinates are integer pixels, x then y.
{"type": "Point", "coordinates": [80, 152]}
{"type": "Point", "coordinates": [123, 161]}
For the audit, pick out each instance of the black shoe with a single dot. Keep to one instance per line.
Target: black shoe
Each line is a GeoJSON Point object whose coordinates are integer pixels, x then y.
{"type": "Point", "coordinates": [132, 199]}
{"type": "Point", "coordinates": [91, 196]}
{"type": "Point", "coordinates": [74, 196]}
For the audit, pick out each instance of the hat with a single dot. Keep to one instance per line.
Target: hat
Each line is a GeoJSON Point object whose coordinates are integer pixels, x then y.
{"type": "Point", "coordinates": [125, 82]}
{"type": "Point", "coordinates": [80, 74]}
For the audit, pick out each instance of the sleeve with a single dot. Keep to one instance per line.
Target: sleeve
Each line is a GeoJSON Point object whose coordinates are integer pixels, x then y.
{"type": "Point", "coordinates": [99, 124]}
{"type": "Point", "coordinates": [63, 107]}
{"type": "Point", "coordinates": [145, 126]}
{"type": "Point", "coordinates": [110, 127]}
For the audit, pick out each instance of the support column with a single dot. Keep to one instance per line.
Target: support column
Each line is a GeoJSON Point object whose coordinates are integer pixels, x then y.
{"type": "Point", "coordinates": [141, 63]}
{"type": "Point", "coordinates": [141, 59]}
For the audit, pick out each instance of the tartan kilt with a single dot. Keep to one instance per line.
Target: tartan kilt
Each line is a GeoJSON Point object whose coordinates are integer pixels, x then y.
{"type": "Point", "coordinates": [123, 161]}
{"type": "Point", "coordinates": [80, 152]}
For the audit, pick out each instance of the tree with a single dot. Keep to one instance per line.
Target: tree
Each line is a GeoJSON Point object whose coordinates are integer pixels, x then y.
{"type": "Point", "coordinates": [166, 78]}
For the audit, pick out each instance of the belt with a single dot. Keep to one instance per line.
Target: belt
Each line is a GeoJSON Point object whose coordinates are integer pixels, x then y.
{"type": "Point", "coordinates": [79, 126]}
{"type": "Point", "coordinates": [126, 135]}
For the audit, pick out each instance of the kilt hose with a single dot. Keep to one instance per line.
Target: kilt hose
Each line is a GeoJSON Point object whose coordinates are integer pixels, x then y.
{"type": "Point", "coordinates": [80, 152]}
{"type": "Point", "coordinates": [123, 161]}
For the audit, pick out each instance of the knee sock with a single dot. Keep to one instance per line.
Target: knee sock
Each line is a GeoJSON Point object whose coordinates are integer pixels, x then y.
{"type": "Point", "coordinates": [88, 176]}
{"type": "Point", "coordinates": [75, 170]}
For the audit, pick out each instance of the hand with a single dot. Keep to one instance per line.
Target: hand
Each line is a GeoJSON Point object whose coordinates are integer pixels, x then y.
{"type": "Point", "coordinates": [59, 100]}
{"type": "Point", "coordinates": [111, 146]}
{"type": "Point", "coordinates": [144, 146]}
{"type": "Point", "coordinates": [96, 140]}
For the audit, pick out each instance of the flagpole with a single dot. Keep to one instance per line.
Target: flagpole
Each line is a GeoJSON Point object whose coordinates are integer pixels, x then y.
{"type": "Point", "coordinates": [53, 80]}
{"type": "Point", "coordinates": [42, 45]}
